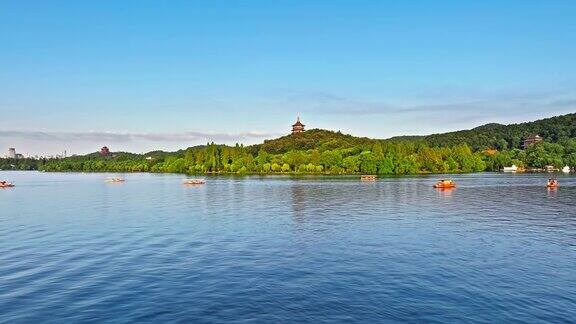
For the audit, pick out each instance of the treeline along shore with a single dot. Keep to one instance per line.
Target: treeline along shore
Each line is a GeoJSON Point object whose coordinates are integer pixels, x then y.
{"type": "Point", "coordinates": [487, 148]}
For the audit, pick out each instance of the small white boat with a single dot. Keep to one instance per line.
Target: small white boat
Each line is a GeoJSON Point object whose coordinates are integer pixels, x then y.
{"type": "Point", "coordinates": [115, 180]}
{"type": "Point", "coordinates": [512, 168]}
{"type": "Point", "coordinates": [566, 169]}
{"type": "Point", "coordinates": [194, 182]}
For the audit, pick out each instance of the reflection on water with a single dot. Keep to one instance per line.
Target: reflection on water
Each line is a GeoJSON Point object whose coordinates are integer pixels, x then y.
{"type": "Point", "coordinates": [499, 248]}
{"type": "Point", "coordinates": [298, 201]}
{"type": "Point", "coordinates": [445, 192]}
{"type": "Point", "coordinates": [552, 192]}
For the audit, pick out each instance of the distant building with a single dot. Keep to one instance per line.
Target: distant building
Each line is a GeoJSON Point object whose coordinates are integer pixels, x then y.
{"type": "Point", "coordinates": [105, 151]}
{"type": "Point", "coordinates": [12, 153]}
{"type": "Point", "coordinates": [531, 140]}
{"type": "Point", "coordinates": [298, 127]}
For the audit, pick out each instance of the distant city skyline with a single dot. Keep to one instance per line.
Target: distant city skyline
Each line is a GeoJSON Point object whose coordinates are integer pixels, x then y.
{"type": "Point", "coordinates": [142, 75]}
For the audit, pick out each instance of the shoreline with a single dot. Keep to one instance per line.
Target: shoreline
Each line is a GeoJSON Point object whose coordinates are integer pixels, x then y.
{"type": "Point", "coordinates": [295, 174]}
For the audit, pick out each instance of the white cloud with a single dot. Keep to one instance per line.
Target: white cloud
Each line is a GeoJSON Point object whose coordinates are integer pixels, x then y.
{"type": "Point", "coordinates": [188, 136]}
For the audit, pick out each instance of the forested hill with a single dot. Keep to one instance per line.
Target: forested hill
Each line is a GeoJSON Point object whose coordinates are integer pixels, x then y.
{"type": "Point", "coordinates": [496, 136]}
{"type": "Point", "coordinates": [327, 152]}
{"type": "Point", "coordinates": [502, 137]}
{"type": "Point", "coordinates": [319, 139]}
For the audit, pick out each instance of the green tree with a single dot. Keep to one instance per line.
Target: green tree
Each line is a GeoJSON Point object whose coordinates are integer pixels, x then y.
{"type": "Point", "coordinates": [286, 167]}
{"type": "Point", "coordinates": [351, 164]}
{"type": "Point", "coordinates": [386, 164]}
{"type": "Point", "coordinates": [266, 167]}
{"type": "Point", "coordinates": [367, 162]}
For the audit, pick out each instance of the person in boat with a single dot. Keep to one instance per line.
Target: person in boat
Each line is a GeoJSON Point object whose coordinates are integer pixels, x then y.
{"type": "Point", "coordinates": [552, 182]}
{"type": "Point", "coordinates": [445, 183]}
{"type": "Point", "coordinates": [195, 181]}
{"type": "Point", "coordinates": [115, 179]}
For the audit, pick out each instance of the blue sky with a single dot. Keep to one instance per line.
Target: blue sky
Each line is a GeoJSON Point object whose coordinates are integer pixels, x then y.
{"type": "Point", "coordinates": [142, 75]}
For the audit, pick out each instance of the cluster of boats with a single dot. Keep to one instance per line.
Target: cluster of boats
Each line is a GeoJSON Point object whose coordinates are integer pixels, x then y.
{"type": "Point", "coordinates": [6, 184]}
{"type": "Point", "coordinates": [441, 184]}
{"type": "Point", "coordinates": [186, 182]}
{"type": "Point", "coordinates": [449, 184]}
{"type": "Point", "coordinates": [548, 168]}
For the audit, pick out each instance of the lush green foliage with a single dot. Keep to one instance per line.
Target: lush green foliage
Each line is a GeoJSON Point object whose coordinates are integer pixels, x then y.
{"type": "Point", "coordinates": [504, 137]}
{"type": "Point", "coordinates": [19, 164]}
{"type": "Point", "coordinates": [313, 139]}
{"type": "Point", "coordinates": [381, 157]}
{"type": "Point", "coordinates": [325, 152]}
{"type": "Point", "coordinates": [536, 156]}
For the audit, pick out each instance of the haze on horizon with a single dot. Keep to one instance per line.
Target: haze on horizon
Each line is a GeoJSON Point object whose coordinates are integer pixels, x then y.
{"type": "Point", "coordinates": [144, 75]}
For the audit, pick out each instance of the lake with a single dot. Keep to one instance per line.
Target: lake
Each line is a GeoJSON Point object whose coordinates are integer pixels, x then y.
{"type": "Point", "coordinates": [499, 248]}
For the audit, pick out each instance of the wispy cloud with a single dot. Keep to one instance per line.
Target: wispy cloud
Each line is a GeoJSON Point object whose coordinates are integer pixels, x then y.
{"type": "Point", "coordinates": [460, 105]}
{"type": "Point", "coordinates": [324, 102]}
{"type": "Point", "coordinates": [189, 136]}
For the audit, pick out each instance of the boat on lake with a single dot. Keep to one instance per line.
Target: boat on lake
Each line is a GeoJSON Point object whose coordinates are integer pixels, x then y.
{"type": "Point", "coordinates": [566, 169]}
{"type": "Point", "coordinates": [368, 177]}
{"type": "Point", "coordinates": [194, 182]}
{"type": "Point", "coordinates": [6, 184]}
{"type": "Point", "coordinates": [115, 179]}
{"type": "Point", "coordinates": [552, 183]}
{"type": "Point", "coordinates": [550, 169]}
{"type": "Point", "coordinates": [445, 184]}
{"type": "Point", "coordinates": [512, 168]}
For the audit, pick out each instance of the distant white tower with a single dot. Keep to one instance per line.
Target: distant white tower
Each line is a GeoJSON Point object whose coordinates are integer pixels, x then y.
{"type": "Point", "coordinates": [11, 153]}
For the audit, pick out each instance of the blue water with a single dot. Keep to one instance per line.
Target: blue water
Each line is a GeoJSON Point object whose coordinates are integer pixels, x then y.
{"type": "Point", "coordinates": [499, 248]}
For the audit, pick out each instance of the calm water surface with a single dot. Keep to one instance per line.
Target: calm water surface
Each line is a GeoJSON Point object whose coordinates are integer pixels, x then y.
{"type": "Point", "coordinates": [499, 248]}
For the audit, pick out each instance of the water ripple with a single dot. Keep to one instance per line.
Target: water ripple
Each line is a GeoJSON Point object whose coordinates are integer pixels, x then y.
{"type": "Point", "coordinates": [499, 248]}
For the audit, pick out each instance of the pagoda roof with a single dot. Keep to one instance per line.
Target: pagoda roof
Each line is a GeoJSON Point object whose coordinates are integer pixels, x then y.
{"type": "Point", "coordinates": [298, 123]}
{"type": "Point", "coordinates": [533, 136]}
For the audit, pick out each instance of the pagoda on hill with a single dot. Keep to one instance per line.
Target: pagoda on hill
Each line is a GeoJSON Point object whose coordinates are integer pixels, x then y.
{"type": "Point", "coordinates": [298, 127]}
{"type": "Point", "coordinates": [104, 151]}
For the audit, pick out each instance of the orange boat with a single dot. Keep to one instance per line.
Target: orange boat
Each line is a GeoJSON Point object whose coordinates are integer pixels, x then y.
{"type": "Point", "coordinates": [445, 184]}
{"type": "Point", "coordinates": [368, 177]}
{"type": "Point", "coordinates": [6, 184]}
{"type": "Point", "coordinates": [552, 183]}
